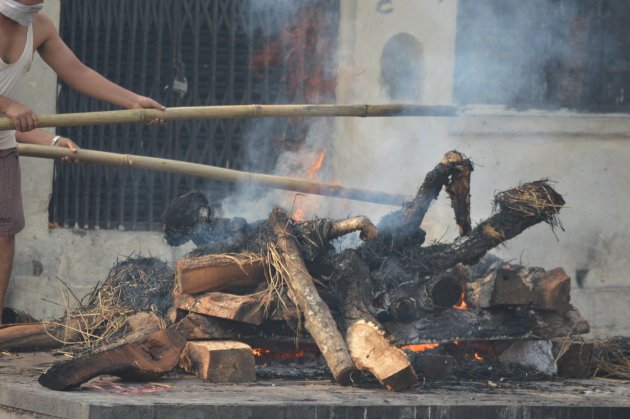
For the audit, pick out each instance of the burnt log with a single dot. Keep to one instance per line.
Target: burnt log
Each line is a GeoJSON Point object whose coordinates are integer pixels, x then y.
{"type": "Point", "coordinates": [317, 317]}
{"type": "Point", "coordinates": [520, 322]}
{"type": "Point", "coordinates": [369, 347]}
{"type": "Point", "coordinates": [402, 228]}
{"type": "Point", "coordinates": [137, 357]}
{"type": "Point", "coordinates": [515, 210]}
{"type": "Point", "coordinates": [403, 296]}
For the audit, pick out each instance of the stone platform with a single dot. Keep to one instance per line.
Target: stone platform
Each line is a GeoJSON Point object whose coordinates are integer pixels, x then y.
{"type": "Point", "coordinates": [186, 397]}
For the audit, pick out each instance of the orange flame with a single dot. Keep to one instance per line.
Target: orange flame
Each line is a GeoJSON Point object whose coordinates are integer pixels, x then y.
{"type": "Point", "coordinates": [461, 304]}
{"type": "Point", "coordinates": [421, 347]}
{"type": "Point", "coordinates": [477, 357]}
{"type": "Point", "coordinates": [319, 161]}
{"type": "Point", "coordinates": [299, 214]}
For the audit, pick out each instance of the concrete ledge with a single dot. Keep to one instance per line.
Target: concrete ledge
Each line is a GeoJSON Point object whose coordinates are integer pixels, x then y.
{"type": "Point", "coordinates": [22, 397]}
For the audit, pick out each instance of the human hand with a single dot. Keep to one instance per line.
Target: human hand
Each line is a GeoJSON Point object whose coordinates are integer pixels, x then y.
{"type": "Point", "coordinates": [143, 102]}
{"type": "Point", "coordinates": [22, 116]}
{"type": "Point", "coordinates": [68, 143]}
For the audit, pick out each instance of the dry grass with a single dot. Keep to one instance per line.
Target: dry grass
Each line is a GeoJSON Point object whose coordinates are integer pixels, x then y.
{"type": "Point", "coordinates": [611, 358]}
{"type": "Point", "coordinates": [535, 200]}
{"type": "Point", "coordinates": [133, 285]}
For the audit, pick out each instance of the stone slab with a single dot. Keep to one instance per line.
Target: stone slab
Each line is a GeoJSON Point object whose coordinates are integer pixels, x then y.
{"type": "Point", "coordinates": [20, 394]}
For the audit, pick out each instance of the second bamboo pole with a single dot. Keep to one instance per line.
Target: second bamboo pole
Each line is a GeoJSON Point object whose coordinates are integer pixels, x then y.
{"type": "Point", "coordinates": [214, 173]}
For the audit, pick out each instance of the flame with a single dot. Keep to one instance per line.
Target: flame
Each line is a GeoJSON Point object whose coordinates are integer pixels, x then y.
{"type": "Point", "coordinates": [421, 347]}
{"type": "Point", "coordinates": [477, 357]}
{"type": "Point", "coordinates": [299, 214]}
{"type": "Point", "coordinates": [461, 304]}
{"type": "Point", "coordinates": [268, 353]}
{"type": "Point", "coordinates": [319, 161]}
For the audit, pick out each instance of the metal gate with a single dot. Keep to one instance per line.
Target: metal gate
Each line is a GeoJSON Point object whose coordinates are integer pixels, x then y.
{"type": "Point", "coordinates": [181, 53]}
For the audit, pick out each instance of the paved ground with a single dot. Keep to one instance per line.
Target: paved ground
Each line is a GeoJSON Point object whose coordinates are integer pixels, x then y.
{"type": "Point", "coordinates": [185, 397]}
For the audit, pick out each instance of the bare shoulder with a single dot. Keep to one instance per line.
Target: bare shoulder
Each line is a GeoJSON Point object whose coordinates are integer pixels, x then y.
{"type": "Point", "coordinates": [43, 30]}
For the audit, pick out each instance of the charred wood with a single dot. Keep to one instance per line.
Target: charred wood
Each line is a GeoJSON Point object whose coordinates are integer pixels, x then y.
{"type": "Point", "coordinates": [402, 228]}
{"type": "Point", "coordinates": [517, 210]}
{"type": "Point", "coordinates": [489, 324]}
{"type": "Point", "coordinates": [137, 357]}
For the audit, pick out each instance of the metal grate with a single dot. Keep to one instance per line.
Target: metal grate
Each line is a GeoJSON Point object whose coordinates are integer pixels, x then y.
{"type": "Point", "coordinates": [141, 45]}
{"type": "Point", "coordinates": [544, 53]}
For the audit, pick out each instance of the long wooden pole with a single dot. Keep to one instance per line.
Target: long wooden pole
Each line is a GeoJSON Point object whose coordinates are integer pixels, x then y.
{"type": "Point", "coordinates": [214, 173]}
{"type": "Point", "coordinates": [237, 111]}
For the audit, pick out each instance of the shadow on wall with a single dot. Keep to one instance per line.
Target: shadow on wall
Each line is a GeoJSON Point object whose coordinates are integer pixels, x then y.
{"type": "Point", "coordinates": [402, 67]}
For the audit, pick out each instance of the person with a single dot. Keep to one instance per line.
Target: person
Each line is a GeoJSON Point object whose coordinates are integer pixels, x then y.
{"type": "Point", "coordinates": [23, 30]}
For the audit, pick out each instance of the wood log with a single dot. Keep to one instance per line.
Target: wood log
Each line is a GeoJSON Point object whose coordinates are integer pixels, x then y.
{"type": "Point", "coordinates": [317, 317]}
{"type": "Point", "coordinates": [469, 325]}
{"type": "Point", "coordinates": [140, 357]}
{"type": "Point", "coordinates": [509, 284]}
{"type": "Point", "coordinates": [219, 361]}
{"type": "Point", "coordinates": [409, 297]}
{"type": "Point", "coordinates": [218, 272]}
{"type": "Point", "coordinates": [518, 209]}
{"type": "Point", "coordinates": [243, 308]}
{"type": "Point", "coordinates": [199, 327]}
{"type": "Point", "coordinates": [432, 366]}
{"type": "Point", "coordinates": [369, 348]}
{"type": "Point", "coordinates": [402, 228]}
{"type": "Point", "coordinates": [31, 336]}
{"type": "Point", "coordinates": [359, 223]}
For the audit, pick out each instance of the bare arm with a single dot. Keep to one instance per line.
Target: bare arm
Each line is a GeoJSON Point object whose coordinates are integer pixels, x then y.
{"type": "Point", "coordinates": [82, 78]}
{"type": "Point", "coordinates": [41, 137]}
{"type": "Point", "coordinates": [22, 116]}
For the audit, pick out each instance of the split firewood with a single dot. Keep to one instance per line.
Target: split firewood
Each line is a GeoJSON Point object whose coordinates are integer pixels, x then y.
{"type": "Point", "coordinates": [219, 361]}
{"type": "Point", "coordinates": [136, 357]}
{"type": "Point", "coordinates": [369, 348]}
{"type": "Point", "coordinates": [218, 272]}
{"type": "Point", "coordinates": [518, 285]}
{"type": "Point", "coordinates": [243, 308]}
{"type": "Point", "coordinates": [317, 317]}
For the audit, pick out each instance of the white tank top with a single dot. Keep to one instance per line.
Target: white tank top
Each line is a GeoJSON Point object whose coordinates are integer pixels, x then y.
{"type": "Point", "coordinates": [10, 77]}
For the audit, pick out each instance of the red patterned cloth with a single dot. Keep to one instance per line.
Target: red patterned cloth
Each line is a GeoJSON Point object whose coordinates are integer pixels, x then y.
{"type": "Point", "coordinates": [11, 211]}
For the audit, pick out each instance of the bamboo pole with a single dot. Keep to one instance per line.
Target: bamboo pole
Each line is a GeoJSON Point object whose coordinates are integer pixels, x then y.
{"type": "Point", "coordinates": [237, 111]}
{"type": "Point", "coordinates": [212, 172]}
